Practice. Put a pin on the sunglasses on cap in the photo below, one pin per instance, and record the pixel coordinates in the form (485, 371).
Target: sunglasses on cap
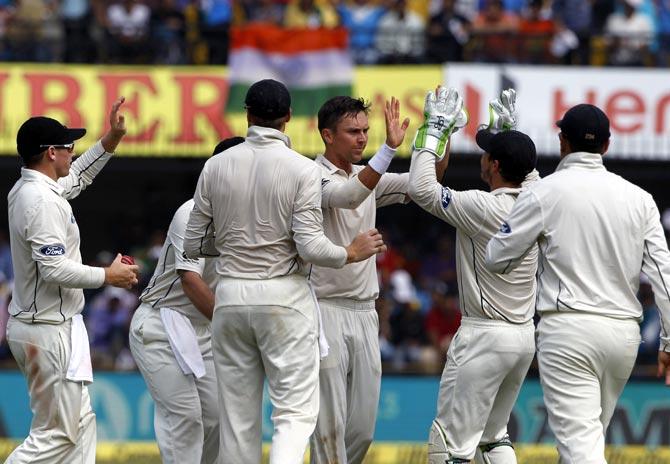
(67, 146)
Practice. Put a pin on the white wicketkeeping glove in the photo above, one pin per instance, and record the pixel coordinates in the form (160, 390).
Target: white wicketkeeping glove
(502, 112)
(443, 115)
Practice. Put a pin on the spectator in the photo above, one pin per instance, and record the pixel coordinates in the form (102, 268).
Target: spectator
(629, 34)
(407, 327)
(168, 25)
(493, 30)
(128, 29)
(400, 35)
(108, 322)
(310, 14)
(76, 17)
(215, 28)
(440, 265)
(575, 16)
(651, 324)
(443, 320)
(6, 270)
(536, 31)
(448, 31)
(35, 32)
(511, 6)
(266, 11)
(362, 20)
(662, 10)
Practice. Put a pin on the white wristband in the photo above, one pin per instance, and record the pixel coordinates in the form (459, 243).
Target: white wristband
(382, 159)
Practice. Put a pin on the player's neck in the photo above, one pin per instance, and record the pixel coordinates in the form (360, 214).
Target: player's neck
(338, 161)
(497, 182)
(45, 169)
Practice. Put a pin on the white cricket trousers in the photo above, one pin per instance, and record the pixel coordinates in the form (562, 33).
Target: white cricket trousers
(278, 343)
(186, 411)
(63, 426)
(349, 379)
(487, 362)
(585, 361)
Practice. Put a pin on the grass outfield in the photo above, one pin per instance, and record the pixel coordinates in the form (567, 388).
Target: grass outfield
(380, 453)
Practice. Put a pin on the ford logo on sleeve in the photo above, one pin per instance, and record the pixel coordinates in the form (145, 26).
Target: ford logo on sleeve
(505, 228)
(446, 197)
(53, 250)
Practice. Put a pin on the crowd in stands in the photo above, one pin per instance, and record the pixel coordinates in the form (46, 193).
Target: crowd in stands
(593, 32)
(418, 306)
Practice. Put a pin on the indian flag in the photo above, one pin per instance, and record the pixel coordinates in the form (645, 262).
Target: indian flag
(314, 64)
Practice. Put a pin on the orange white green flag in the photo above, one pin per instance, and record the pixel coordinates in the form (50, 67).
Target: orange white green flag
(314, 64)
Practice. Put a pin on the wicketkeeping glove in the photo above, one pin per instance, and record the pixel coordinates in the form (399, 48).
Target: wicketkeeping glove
(443, 115)
(502, 112)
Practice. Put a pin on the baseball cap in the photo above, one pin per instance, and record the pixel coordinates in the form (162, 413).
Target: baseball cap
(585, 125)
(268, 99)
(39, 132)
(514, 150)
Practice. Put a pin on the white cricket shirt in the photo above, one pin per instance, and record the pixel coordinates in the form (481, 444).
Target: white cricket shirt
(477, 215)
(258, 208)
(44, 240)
(596, 232)
(165, 289)
(359, 280)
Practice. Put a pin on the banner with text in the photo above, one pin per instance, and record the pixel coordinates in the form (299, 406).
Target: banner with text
(181, 111)
(124, 410)
(637, 102)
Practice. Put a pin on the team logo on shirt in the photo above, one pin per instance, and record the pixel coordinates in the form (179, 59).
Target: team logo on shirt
(53, 250)
(446, 197)
(505, 228)
(324, 182)
(72, 219)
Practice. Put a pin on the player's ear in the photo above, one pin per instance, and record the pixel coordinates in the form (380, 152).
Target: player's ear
(605, 147)
(327, 135)
(496, 165)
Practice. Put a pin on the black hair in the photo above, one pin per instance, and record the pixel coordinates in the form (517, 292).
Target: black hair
(511, 170)
(226, 144)
(336, 108)
(271, 123)
(589, 147)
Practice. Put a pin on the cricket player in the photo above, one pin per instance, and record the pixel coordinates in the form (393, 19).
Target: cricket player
(596, 233)
(258, 208)
(45, 331)
(491, 352)
(170, 338)
(350, 374)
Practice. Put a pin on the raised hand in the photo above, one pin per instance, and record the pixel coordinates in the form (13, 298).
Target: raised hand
(502, 112)
(395, 131)
(117, 121)
(443, 115)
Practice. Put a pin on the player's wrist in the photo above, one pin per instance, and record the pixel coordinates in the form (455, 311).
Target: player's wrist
(381, 161)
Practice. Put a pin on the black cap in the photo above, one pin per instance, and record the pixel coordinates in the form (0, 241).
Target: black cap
(39, 132)
(514, 150)
(585, 126)
(268, 99)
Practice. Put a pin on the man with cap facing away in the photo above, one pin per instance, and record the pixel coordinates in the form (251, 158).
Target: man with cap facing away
(45, 332)
(171, 341)
(258, 208)
(596, 233)
(489, 356)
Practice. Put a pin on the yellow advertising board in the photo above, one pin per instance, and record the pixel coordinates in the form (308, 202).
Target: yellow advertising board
(180, 111)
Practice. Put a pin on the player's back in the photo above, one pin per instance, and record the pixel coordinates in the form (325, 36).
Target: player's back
(254, 188)
(508, 297)
(593, 240)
